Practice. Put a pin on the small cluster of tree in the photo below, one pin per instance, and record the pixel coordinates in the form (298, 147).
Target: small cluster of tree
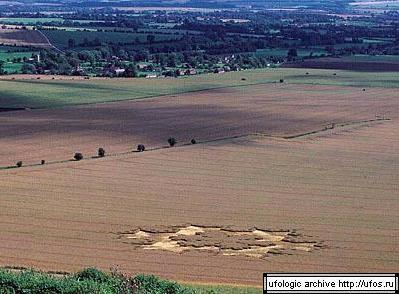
(140, 148)
(78, 156)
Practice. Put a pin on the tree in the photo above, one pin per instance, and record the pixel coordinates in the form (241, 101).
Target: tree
(292, 53)
(19, 164)
(193, 141)
(2, 72)
(150, 39)
(96, 42)
(140, 148)
(101, 152)
(172, 141)
(130, 71)
(171, 62)
(28, 68)
(71, 43)
(78, 156)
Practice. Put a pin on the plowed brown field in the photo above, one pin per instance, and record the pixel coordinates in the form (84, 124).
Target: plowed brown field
(21, 37)
(223, 211)
(55, 134)
(338, 189)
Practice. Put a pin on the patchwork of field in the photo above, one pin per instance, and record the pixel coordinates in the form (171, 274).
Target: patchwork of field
(321, 203)
(270, 109)
(21, 37)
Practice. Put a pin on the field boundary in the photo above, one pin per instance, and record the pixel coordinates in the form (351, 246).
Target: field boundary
(331, 126)
(335, 125)
(51, 45)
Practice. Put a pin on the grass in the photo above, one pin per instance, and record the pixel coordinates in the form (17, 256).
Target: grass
(57, 93)
(4, 55)
(13, 68)
(207, 289)
(92, 280)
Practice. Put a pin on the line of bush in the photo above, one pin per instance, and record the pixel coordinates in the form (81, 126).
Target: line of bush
(87, 281)
(101, 151)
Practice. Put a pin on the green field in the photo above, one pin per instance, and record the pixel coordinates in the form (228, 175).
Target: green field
(7, 55)
(378, 40)
(28, 20)
(60, 38)
(35, 93)
(90, 281)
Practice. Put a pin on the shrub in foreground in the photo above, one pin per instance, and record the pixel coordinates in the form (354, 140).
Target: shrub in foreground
(40, 283)
(19, 164)
(92, 274)
(155, 285)
(93, 281)
(193, 141)
(87, 281)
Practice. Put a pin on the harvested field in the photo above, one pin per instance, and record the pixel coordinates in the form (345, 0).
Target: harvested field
(44, 92)
(271, 109)
(21, 37)
(338, 188)
(243, 201)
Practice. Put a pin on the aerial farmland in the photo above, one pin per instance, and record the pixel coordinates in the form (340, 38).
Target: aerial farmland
(130, 162)
(269, 151)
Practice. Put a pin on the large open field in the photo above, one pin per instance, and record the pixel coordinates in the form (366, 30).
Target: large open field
(21, 37)
(56, 91)
(324, 203)
(271, 108)
(251, 197)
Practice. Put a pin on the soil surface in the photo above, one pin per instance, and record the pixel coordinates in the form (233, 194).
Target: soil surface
(273, 109)
(338, 188)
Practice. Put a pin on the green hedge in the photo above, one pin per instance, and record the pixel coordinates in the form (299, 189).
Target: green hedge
(93, 281)
(87, 281)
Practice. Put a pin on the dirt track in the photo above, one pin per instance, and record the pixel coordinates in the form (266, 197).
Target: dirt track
(272, 109)
(339, 188)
